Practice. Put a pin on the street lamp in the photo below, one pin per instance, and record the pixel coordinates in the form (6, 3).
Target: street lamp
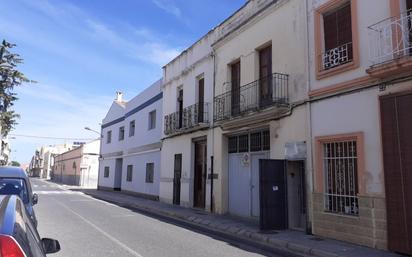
(95, 131)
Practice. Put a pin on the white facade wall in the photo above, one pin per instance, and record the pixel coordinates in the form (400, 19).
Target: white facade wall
(184, 72)
(283, 26)
(137, 150)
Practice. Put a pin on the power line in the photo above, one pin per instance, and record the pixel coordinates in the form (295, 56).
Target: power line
(46, 137)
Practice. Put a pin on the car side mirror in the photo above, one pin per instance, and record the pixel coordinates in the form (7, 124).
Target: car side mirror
(50, 245)
(35, 199)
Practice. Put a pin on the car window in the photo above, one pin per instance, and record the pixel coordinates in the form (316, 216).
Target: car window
(14, 186)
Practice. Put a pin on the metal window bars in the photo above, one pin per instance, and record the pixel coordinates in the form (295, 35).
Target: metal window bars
(391, 38)
(257, 95)
(341, 181)
(337, 56)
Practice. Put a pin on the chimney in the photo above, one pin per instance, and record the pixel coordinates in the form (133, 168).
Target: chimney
(119, 96)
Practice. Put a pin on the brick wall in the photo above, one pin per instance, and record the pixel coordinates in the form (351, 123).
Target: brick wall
(368, 229)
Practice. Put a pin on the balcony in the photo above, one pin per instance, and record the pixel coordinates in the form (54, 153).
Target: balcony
(391, 46)
(266, 93)
(193, 117)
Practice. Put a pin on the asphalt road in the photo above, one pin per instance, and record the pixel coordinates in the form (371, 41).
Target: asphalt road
(86, 227)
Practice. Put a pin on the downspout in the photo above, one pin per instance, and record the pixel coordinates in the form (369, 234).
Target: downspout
(309, 189)
(100, 156)
(212, 207)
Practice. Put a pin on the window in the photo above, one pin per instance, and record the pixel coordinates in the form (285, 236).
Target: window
(337, 34)
(152, 119)
(132, 126)
(149, 172)
(106, 171)
(121, 133)
(129, 174)
(254, 142)
(109, 137)
(233, 144)
(336, 40)
(340, 167)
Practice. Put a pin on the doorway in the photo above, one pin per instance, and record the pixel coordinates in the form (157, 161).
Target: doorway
(118, 174)
(176, 178)
(396, 127)
(200, 174)
(265, 76)
(296, 195)
(235, 88)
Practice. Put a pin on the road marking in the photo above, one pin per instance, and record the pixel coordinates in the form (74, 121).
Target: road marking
(56, 192)
(125, 247)
(123, 215)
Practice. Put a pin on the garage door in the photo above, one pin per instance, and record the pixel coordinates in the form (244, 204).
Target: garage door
(245, 151)
(396, 123)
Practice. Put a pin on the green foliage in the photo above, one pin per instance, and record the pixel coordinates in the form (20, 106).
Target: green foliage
(15, 163)
(10, 77)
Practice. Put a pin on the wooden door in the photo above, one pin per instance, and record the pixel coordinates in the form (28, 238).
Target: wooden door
(396, 125)
(201, 103)
(265, 75)
(235, 87)
(176, 178)
(200, 175)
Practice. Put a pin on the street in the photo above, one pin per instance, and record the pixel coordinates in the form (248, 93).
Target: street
(86, 226)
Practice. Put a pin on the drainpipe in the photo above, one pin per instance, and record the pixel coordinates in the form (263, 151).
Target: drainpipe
(212, 207)
(100, 157)
(309, 189)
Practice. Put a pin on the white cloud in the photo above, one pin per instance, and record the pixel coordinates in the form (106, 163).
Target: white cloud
(169, 7)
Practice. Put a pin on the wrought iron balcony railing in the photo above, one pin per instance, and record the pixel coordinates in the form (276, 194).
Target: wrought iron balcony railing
(192, 117)
(337, 56)
(257, 95)
(391, 38)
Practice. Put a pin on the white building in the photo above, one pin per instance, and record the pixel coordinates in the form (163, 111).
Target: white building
(187, 102)
(78, 166)
(130, 149)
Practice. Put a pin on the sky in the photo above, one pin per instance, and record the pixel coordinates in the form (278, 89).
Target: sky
(81, 52)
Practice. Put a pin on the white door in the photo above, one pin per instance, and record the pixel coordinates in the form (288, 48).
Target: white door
(239, 186)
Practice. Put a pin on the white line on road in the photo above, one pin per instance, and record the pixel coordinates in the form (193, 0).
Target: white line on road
(125, 247)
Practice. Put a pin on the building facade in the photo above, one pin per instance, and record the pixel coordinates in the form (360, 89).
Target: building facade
(187, 137)
(260, 124)
(78, 166)
(130, 150)
(361, 102)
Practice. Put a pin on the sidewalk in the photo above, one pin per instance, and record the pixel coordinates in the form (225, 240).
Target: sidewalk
(289, 241)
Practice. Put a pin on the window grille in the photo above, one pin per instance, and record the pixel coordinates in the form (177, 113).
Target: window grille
(266, 140)
(109, 137)
(132, 126)
(129, 174)
(256, 142)
(340, 167)
(149, 172)
(243, 143)
(232, 144)
(121, 133)
(106, 171)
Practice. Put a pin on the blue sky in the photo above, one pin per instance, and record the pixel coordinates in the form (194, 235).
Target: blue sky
(82, 51)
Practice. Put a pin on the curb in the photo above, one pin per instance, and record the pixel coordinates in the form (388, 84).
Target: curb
(271, 244)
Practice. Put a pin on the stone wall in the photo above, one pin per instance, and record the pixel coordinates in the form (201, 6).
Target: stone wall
(368, 229)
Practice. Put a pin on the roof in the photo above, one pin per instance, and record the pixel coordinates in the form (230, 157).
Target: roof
(12, 172)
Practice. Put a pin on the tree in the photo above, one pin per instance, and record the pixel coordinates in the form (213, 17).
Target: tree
(10, 78)
(15, 163)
